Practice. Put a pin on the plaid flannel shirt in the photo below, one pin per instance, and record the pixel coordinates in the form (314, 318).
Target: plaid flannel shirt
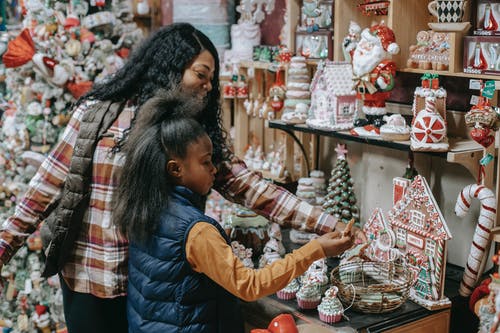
(98, 261)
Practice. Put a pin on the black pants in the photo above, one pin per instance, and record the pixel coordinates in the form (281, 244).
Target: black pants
(87, 313)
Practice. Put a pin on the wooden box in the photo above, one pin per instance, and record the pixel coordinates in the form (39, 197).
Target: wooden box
(482, 55)
(439, 51)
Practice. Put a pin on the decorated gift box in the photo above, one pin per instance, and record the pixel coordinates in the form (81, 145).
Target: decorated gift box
(488, 18)
(481, 55)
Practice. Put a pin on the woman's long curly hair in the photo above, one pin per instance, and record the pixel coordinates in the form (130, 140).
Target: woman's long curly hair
(163, 131)
(158, 64)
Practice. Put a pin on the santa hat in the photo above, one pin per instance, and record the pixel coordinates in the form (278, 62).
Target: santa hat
(386, 37)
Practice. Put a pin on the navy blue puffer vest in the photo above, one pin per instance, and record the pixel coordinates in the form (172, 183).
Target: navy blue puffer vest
(164, 294)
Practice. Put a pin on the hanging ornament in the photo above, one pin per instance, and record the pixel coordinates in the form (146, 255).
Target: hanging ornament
(483, 120)
(19, 51)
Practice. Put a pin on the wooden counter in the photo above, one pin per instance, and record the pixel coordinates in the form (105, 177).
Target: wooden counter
(409, 318)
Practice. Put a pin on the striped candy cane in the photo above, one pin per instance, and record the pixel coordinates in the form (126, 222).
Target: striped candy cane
(481, 240)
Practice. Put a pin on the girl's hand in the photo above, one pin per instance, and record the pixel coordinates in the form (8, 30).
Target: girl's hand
(334, 243)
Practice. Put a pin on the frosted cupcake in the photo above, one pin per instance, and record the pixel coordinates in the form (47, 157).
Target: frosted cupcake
(289, 291)
(308, 296)
(330, 310)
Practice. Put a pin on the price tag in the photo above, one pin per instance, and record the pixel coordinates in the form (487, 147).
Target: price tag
(489, 89)
(486, 159)
(474, 100)
(475, 84)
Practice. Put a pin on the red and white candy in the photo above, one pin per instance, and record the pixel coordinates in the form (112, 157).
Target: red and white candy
(481, 240)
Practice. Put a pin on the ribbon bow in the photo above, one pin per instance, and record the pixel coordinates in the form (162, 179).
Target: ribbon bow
(364, 83)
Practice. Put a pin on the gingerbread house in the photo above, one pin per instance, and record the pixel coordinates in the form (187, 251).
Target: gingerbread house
(333, 99)
(421, 236)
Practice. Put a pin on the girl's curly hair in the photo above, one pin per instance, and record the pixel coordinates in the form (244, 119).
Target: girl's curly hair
(158, 64)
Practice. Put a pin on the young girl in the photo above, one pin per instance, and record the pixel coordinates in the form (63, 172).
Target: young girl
(183, 275)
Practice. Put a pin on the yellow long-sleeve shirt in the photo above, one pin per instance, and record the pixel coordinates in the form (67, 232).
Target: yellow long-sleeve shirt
(208, 253)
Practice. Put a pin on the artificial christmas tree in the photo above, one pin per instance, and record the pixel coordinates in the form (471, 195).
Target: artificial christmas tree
(61, 49)
(340, 200)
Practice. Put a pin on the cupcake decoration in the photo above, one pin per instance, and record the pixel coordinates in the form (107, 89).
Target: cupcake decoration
(308, 296)
(289, 291)
(330, 310)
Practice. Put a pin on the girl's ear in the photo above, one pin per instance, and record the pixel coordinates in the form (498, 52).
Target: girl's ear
(174, 168)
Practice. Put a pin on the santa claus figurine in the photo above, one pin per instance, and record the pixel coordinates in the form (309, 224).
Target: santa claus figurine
(373, 71)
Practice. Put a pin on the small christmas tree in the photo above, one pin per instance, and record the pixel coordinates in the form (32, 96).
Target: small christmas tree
(340, 200)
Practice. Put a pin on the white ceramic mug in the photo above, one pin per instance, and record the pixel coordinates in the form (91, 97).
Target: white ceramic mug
(448, 11)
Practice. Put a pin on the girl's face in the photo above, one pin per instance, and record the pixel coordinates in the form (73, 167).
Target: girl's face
(198, 75)
(196, 171)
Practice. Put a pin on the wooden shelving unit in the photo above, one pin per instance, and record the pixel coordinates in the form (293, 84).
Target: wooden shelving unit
(465, 152)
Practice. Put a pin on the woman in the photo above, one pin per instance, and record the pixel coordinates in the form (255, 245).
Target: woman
(80, 175)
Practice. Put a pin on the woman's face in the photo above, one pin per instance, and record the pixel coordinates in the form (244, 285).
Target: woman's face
(198, 75)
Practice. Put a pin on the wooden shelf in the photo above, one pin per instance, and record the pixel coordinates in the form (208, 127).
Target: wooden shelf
(465, 152)
(456, 74)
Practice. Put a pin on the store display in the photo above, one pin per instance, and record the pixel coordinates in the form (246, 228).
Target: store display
(482, 55)
(333, 100)
(481, 241)
(341, 199)
(488, 14)
(374, 71)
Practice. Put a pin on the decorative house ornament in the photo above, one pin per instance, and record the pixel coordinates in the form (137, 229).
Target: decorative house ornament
(382, 240)
(333, 100)
(421, 237)
(481, 241)
(428, 130)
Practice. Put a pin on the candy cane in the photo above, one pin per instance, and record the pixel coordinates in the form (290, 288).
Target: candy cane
(481, 240)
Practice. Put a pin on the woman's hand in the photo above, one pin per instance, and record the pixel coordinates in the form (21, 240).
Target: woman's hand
(359, 235)
(335, 243)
